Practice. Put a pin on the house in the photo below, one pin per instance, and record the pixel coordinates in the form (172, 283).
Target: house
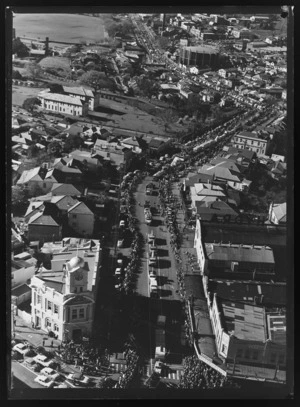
(81, 219)
(33, 208)
(249, 336)
(233, 260)
(63, 103)
(212, 209)
(206, 193)
(63, 298)
(66, 189)
(250, 141)
(193, 179)
(112, 152)
(35, 180)
(278, 170)
(44, 227)
(136, 144)
(227, 176)
(277, 213)
(63, 203)
(86, 160)
(158, 145)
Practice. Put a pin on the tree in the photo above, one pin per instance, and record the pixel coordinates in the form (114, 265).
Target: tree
(72, 143)
(33, 71)
(33, 151)
(97, 80)
(16, 75)
(19, 195)
(29, 103)
(54, 148)
(19, 48)
(163, 42)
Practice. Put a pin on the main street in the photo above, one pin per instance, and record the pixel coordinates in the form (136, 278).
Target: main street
(166, 265)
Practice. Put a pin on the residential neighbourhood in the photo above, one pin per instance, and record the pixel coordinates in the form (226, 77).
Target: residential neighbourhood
(150, 205)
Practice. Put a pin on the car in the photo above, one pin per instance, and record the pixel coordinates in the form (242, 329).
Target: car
(151, 237)
(120, 242)
(61, 386)
(44, 360)
(118, 271)
(158, 366)
(152, 259)
(122, 224)
(79, 378)
(44, 381)
(21, 348)
(120, 259)
(53, 374)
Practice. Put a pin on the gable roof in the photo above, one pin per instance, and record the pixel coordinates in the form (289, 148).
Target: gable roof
(208, 190)
(239, 253)
(80, 207)
(280, 211)
(78, 90)
(207, 209)
(40, 219)
(221, 172)
(33, 206)
(57, 97)
(30, 175)
(67, 189)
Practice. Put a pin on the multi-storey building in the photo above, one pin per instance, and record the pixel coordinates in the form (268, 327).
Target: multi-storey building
(250, 141)
(56, 102)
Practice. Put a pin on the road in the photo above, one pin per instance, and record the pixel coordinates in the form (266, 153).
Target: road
(166, 266)
(25, 375)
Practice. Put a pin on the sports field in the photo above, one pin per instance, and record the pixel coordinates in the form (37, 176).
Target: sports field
(59, 27)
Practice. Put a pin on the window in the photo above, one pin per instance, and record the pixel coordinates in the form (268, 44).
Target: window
(39, 299)
(74, 216)
(81, 313)
(55, 309)
(47, 323)
(257, 150)
(49, 306)
(56, 329)
(74, 313)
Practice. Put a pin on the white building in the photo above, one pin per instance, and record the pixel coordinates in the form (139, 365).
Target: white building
(250, 141)
(58, 103)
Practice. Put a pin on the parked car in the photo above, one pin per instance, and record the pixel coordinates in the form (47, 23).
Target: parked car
(53, 374)
(120, 259)
(118, 271)
(44, 381)
(152, 259)
(44, 360)
(79, 378)
(122, 223)
(21, 348)
(120, 242)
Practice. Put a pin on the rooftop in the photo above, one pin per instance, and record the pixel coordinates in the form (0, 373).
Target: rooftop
(244, 321)
(239, 253)
(57, 97)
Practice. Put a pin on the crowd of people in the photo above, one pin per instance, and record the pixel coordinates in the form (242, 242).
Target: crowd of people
(127, 189)
(198, 375)
(128, 377)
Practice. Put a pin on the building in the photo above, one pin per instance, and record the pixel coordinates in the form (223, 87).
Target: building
(214, 210)
(277, 213)
(62, 299)
(233, 260)
(34, 181)
(72, 105)
(199, 56)
(43, 227)
(81, 219)
(250, 141)
(247, 335)
(65, 189)
(113, 152)
(86, 95)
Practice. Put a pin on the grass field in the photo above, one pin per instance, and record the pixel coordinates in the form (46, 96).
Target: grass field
(20, 93)
(59, 64)
(59, 27)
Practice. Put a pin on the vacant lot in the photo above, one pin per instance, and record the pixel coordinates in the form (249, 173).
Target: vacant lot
(59, 27)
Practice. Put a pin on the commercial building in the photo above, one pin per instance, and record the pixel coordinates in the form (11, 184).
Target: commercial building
(250, 141)
(62, 299)
(227, 260)
(199, 56)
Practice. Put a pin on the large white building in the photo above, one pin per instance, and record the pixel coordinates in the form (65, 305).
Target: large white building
(62, 299)
(250, 141)
(58, 103)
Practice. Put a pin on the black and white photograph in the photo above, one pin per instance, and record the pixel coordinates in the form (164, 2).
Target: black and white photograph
(149, 202)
